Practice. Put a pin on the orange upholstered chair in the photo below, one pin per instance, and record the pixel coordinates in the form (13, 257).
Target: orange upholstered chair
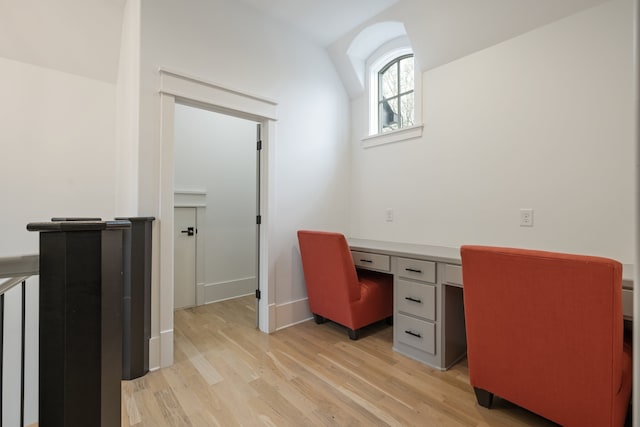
(545, 331)
(336, 290)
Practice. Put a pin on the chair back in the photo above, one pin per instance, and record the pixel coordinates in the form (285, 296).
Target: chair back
(545, 330)
(329, 272)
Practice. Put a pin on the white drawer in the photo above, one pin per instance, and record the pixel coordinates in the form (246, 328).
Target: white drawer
(417, 269)
(627, 303)
(418, 299)
(453, 274)
(372, 261)
(416, 333)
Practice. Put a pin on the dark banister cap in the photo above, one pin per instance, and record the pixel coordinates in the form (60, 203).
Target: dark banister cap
(56, 219)
(136, 218)
(78, 225)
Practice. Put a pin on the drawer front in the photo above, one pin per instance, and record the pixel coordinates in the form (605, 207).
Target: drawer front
(372, 261)
(417, 269)
(416, 333)
(418, 299)
(453, 274)
(627, 303)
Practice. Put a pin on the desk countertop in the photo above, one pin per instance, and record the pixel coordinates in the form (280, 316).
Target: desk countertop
(433, 253)
(441, 254)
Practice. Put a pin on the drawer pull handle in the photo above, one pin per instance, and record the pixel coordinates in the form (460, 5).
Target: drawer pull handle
(413, 270)
(413, 334)
(366, 260)
(419, 301)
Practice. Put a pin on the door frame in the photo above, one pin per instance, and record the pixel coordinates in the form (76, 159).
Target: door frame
(194, 91)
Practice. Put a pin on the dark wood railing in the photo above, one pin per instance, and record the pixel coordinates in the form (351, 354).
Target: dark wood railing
(89, 313)
(14, 272)
(80, 322)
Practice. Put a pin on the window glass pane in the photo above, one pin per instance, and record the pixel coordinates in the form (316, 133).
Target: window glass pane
(389, 118)
(406, 74)
(395, 101)
(389, 82)
(406, 110)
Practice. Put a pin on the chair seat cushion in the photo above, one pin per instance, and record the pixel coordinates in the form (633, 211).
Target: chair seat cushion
(376, 299)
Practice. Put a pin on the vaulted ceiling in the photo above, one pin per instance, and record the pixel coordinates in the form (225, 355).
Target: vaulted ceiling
(78, 37)
(83, 37)
(323, 20)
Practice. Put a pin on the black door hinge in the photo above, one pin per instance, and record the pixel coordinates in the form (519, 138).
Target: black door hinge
(259, 145)
(259, 219)
(258, 294)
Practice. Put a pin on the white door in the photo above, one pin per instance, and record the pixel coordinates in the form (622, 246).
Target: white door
(184, 255)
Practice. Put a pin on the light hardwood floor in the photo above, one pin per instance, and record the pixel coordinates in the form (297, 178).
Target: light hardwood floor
(227, 373)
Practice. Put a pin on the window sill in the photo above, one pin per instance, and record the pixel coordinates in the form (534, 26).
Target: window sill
(403, 134)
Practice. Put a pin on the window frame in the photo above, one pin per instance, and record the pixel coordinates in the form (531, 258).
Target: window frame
(384, 55)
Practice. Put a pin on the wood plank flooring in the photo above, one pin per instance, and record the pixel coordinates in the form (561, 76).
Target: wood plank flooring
(227, 373)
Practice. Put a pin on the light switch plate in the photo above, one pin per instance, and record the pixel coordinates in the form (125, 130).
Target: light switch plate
(388, 215)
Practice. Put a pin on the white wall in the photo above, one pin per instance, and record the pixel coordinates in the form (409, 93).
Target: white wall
(57, 135)
(217, 153)
(128, 112)
(56, 138)
(541, 121)
(225, 42)
(66, 35)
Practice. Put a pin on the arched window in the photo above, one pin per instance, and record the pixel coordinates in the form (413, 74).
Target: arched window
(383, 62)
(395, 100)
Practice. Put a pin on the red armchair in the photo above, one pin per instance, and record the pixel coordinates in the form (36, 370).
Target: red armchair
(336, 291)
(545, 331)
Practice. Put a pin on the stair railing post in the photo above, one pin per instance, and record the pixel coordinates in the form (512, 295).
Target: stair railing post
(80, 363)
(136, 308)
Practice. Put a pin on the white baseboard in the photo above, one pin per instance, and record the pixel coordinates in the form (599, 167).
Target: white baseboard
(291, 313)
(166, 348)
(161, 350)
(214, 292)
(272, 318)
(154, 353)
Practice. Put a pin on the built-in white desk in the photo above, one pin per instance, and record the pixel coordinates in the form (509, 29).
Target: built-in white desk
(428, 301)
(428, 309)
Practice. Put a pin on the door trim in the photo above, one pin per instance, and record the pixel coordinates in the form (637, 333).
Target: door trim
(189, 199)
(190, 90)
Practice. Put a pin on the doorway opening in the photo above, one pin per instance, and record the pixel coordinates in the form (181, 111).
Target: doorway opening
(216, 206)
(179, 88)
